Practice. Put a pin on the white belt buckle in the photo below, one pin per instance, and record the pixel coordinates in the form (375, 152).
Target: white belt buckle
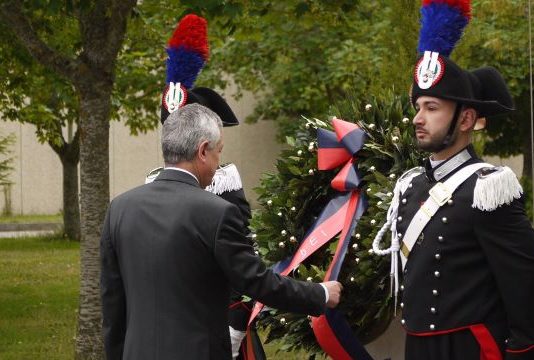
(440, 193)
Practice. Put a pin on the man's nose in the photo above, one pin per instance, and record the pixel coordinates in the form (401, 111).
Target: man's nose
(418, 118)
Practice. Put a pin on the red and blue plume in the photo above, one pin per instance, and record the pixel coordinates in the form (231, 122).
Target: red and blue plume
(442, 24)
(188, 50)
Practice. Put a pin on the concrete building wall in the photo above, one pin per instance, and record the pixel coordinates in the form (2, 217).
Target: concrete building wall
(37, 175)
(36, 179)
(252, 147)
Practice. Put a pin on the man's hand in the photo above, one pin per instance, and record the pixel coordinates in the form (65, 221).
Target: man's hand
(334, 293)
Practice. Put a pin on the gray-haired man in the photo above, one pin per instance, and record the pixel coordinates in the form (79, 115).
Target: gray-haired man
(171, 251)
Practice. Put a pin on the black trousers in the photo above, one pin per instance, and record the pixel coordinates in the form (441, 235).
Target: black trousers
(459, 345)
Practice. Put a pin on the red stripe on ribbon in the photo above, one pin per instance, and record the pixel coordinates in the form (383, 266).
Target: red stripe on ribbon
(250, 355)
(327, 339)
(331, 158)
(340, 181)
(317, 238)
(343, 128)
(324, 334)
(349, 216)
(349, 143)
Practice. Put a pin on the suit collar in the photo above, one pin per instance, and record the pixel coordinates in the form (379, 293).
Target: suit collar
(174, 175)
(182, 170)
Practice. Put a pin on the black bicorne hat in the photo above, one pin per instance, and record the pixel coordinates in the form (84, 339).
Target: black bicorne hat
(208, 98)
(436, 75)
(483, 89)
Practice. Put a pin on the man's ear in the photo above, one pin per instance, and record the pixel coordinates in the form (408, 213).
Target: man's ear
(203, 150)
(469, 119)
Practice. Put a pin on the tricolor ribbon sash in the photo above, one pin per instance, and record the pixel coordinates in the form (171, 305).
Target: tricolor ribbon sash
(341, 214)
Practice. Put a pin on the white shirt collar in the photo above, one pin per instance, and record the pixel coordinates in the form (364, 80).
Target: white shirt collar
(435, 163)
(182, 170)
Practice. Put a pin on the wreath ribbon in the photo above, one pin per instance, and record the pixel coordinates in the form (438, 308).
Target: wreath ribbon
(341, 214)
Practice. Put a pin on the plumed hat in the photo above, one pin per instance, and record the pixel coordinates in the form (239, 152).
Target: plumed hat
(188, 53)
(435, 74)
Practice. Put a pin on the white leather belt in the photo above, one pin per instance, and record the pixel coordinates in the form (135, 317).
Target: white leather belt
(439, 195)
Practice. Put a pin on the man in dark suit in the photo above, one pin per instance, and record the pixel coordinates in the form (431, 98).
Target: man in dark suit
(171, 251)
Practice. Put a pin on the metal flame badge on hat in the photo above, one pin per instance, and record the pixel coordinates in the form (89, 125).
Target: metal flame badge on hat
(429, 70)
(174, 97)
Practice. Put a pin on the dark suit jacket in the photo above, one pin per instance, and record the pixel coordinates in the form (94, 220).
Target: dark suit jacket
(170, 253)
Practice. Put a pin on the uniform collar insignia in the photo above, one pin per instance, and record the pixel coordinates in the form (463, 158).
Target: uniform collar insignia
(449, 165)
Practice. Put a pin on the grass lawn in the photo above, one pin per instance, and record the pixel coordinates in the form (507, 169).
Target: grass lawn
(39, 280)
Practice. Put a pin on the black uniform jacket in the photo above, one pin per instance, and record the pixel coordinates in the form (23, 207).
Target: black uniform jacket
(237, 197)
(170, 253)
(469, 266)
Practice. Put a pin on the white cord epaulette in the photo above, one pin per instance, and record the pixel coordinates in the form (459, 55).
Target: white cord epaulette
(391, 222)
(226, 179)
(495, 186)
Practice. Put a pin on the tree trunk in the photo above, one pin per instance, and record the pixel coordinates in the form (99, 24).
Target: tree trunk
(94, 170)
(71, 195)
(69, 154)
(102, 30)
(71, 203)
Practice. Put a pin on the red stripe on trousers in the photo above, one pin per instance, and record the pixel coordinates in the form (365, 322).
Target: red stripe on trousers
(488, 347)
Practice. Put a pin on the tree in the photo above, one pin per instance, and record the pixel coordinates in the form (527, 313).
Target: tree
(498, 36)
(5, 168)
(90, 68)
(82, 46)
(328, 50)
(5, 162)
(32, 94)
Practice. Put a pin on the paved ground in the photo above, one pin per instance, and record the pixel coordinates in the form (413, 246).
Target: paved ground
(12, 234)
(33, 229)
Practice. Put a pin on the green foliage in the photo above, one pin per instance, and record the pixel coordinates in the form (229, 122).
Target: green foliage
(293, 197)
(303, 65)
(5, 160)
(30, 93)
(498, 36)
